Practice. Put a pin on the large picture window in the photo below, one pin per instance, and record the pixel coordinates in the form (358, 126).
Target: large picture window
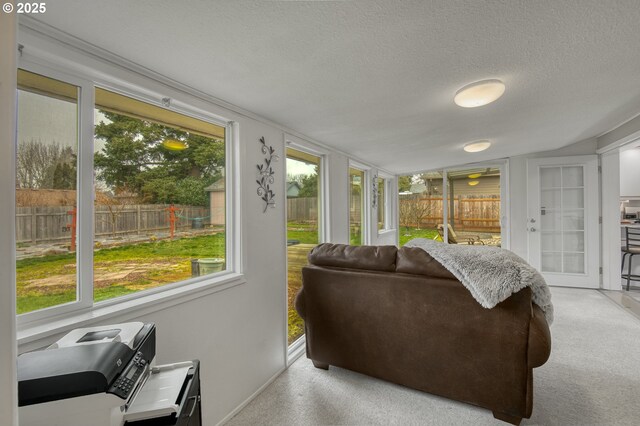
(46, 164)
(459, 206)
(159, 196)
(154, 212)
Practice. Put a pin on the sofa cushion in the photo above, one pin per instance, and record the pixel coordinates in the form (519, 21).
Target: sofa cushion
(414, 260)
(372, 258)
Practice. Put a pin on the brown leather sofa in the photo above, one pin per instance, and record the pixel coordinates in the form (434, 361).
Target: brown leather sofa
(399, 315)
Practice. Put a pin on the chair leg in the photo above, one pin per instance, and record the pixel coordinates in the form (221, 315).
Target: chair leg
(624, 256)
(629, 271)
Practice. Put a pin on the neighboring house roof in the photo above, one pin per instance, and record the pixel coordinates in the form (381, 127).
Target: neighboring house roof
(418, 188)
(293, 189)
(217, 186)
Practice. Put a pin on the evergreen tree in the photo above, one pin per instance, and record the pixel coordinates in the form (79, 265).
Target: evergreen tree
(136, 159)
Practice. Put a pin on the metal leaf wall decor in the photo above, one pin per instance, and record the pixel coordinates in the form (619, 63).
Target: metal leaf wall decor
(374, 191)
(266, 176)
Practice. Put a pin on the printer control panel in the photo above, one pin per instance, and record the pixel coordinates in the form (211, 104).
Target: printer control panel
(125, 384)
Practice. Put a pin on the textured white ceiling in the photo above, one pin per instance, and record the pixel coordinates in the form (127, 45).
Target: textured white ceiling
(376, 78)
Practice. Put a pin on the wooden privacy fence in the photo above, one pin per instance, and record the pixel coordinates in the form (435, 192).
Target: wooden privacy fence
(302, 209)
(470, 212)
(305, 209)
(50, 224)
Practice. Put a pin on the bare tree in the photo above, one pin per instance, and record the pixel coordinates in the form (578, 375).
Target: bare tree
(42, 165)
(115, 205)
(413, 209)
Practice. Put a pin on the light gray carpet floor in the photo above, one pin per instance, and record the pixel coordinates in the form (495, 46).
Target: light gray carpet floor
(591, 378)
(633, 292)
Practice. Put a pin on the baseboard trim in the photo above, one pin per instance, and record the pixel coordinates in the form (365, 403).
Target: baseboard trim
(296, 350)
(251, 397)
(623, 301)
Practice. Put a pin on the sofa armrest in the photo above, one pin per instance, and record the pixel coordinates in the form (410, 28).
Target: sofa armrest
(299, 303)
(539, 339)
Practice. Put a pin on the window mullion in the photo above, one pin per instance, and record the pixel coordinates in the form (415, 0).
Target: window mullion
(85, 197)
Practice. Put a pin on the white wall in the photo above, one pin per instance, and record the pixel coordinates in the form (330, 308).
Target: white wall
(8, 394)
(518, 190)
(610, 200)
(630, 173)
(239, 333)
(338, 193)
(622, 134)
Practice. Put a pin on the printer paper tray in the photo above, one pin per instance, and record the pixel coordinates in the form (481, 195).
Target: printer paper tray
(159, 394)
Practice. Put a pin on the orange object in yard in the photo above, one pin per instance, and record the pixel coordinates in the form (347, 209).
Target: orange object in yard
(172, 219)
(74, 215)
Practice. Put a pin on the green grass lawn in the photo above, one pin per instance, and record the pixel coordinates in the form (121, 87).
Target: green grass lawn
(407, 234)
(50, 280)
(302, 232)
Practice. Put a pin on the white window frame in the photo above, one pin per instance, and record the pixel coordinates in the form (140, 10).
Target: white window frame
(306, 147)
(296, 348)
(84, 251)
(85, 196)
(366, 200)
(388, 211)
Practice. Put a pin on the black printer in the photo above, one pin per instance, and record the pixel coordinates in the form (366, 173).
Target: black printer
(88, 361)
(105, 376)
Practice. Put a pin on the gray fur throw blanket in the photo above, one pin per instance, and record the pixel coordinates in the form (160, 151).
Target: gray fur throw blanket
(491, 274)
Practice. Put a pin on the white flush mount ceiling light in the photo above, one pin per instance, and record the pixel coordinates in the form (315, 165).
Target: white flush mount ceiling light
(479, 93)
(477, 146)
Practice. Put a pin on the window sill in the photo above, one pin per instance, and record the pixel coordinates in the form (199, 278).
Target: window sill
(382, 232)
(32, 335)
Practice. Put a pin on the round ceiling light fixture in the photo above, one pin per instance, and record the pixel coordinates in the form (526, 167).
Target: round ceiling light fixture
(479, 93)
(477, 146)
(174, 145)
(474, 176)
(473, 182)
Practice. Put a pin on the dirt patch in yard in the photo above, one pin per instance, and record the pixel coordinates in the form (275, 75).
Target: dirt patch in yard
(135, 275)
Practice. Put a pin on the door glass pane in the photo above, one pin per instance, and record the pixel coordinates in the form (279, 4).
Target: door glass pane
(550, 198)
(550, 177)
(551, 262)
(572, 177)
(573, 198)
(573, 241)
(303, 226)
(562, 239)
(573, 263)
(474, 206)
(573, 220)
(159, 197)
(550, 220)
(420, 206)
(550, 241)
(356, 206)
(46, 181)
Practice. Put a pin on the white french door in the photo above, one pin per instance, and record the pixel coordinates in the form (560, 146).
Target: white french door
(563, 220)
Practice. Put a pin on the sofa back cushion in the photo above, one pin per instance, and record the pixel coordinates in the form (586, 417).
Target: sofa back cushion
(372, 258)
(414, 260)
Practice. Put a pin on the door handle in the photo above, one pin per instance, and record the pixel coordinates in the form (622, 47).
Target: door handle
(532, 229)
(196, 399)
